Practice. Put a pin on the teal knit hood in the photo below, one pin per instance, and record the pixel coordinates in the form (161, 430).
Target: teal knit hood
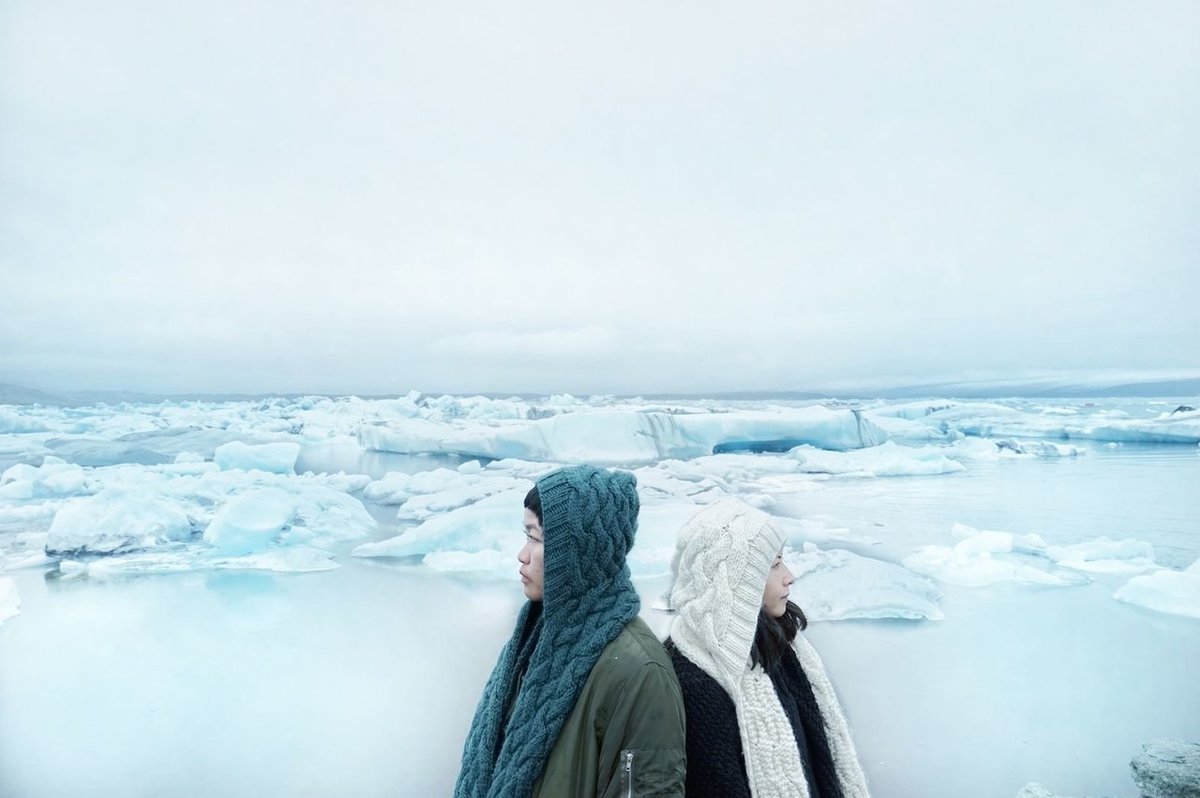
(589, 519)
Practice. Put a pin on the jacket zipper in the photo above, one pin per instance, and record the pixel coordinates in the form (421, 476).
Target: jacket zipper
(629, 773)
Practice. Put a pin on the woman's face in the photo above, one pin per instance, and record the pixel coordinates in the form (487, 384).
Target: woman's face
(531, 557)
(779, 584)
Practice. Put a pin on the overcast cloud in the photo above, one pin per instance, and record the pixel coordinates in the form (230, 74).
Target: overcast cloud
(622, 197)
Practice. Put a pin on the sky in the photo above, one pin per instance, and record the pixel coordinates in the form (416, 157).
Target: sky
(372, 197)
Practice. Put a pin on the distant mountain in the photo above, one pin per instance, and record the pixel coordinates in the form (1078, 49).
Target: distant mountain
(994, 389)
(20, 395)
(1045, 388)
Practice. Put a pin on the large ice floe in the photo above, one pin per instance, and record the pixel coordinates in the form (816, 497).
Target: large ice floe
(986, 557)
(837, 584)
(178, 516)
(885, 460)
(630, 437)
(921, 420)
(1174, 592)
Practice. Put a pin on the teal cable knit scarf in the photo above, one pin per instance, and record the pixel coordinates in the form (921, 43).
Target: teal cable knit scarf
(589, 517)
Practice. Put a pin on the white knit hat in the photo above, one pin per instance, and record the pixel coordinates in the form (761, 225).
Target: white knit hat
(722, 559)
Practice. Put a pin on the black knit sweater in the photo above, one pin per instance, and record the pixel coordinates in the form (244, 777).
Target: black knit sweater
(715, 762)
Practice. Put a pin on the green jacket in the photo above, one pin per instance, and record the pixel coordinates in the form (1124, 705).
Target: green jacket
(624, 737)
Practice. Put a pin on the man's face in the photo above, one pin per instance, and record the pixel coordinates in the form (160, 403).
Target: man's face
(532, 571)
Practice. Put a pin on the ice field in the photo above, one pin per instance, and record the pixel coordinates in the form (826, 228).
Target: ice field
(304, 596)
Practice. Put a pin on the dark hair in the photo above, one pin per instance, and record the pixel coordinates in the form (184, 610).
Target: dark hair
(775, 635)
(533, 501)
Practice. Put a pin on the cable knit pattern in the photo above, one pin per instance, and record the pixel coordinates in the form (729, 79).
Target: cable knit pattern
(721, 563)
(773, 765)
(589, 517)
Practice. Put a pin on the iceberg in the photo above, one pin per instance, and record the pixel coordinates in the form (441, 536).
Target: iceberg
(985, 557)
(990, 420)
(885, 460)
(250, 522)
(1103, 555)
(117, 519)
(469, 490)
(392, 488)
(835, 585)
(629, 437)
(490, 523)
(54, 477)
(10, 600)
(278, 458)
(23, 550)
(440, 490)
(1174, 592)
(143, 508)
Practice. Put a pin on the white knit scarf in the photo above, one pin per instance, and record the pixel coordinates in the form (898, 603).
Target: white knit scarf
(721, 564)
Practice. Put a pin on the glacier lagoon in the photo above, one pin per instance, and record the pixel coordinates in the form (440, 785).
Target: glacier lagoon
(304, 596)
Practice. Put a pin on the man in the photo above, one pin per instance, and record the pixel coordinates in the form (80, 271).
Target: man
(583, 701)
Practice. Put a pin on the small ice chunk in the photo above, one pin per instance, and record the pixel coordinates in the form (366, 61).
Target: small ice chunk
(251, 521)
(189, 457)
(10, 600)
(1035, 790)
(838, 584)
(117, 519)
(1030, 543)
(1047, 449)
(1174, 592)
(53, 478)
(391, 489)
(278, 458)
(1103, 555)
(470, 467)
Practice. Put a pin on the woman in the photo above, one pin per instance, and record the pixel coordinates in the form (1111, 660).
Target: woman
(762, 717)
(583, 701)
